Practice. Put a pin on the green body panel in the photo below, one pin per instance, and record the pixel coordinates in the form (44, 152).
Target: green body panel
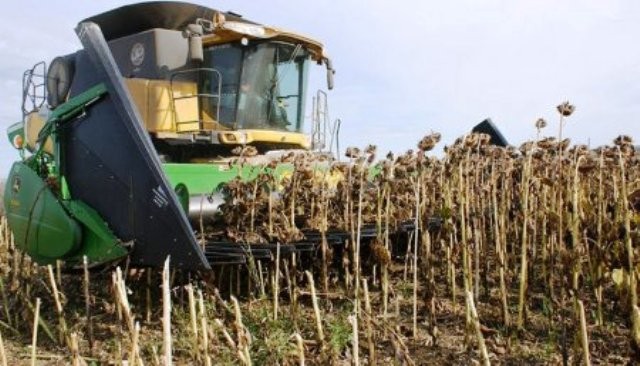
(207, 178)
(47, 228)
(77, 105)
(47, 225)
(99, 244)
(40, 224)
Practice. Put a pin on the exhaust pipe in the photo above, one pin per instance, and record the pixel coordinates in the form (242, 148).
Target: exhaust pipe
(204, 205)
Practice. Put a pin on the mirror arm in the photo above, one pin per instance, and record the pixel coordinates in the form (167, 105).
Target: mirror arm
(330, 72)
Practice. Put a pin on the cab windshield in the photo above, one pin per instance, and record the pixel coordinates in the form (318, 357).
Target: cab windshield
(262, 86)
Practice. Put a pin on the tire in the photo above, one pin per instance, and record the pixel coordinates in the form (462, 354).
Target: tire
(59, 79)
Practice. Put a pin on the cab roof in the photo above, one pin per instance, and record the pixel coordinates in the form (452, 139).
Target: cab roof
(175, 15)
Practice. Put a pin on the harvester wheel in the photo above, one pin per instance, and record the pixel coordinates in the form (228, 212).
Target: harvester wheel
(59, 78)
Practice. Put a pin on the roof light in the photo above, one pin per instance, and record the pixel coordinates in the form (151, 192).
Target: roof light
(230, 137)
(244, 28)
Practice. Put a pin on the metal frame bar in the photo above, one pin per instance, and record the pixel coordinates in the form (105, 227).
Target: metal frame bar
(34, 93)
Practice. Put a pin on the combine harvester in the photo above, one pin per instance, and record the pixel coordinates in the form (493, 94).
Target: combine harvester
(126, 143)
(126, 140)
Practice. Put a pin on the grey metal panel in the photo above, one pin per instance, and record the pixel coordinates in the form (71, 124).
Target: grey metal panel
(152, 54)
(172, 50)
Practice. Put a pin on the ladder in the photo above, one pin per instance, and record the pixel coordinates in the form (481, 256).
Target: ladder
(324, 132)
(199, 97)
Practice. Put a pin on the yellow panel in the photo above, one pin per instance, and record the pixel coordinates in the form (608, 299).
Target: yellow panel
(154, 101)
(139, 92)
(186, 114)
(33, 124)
(265, 136)
(160, 114)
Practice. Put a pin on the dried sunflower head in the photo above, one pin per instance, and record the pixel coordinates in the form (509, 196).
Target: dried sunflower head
(390, 155)
(541, 123)
(381, 254)
(246, 151)
(566, 109)
(370, 149)
(526, 147)
(484, 139)
(237, 150)
(634, 200)
(547, 143)
(623, 140)
(538, 154)
(429, 142)
(587, 165)
(497, 152)
(579, 150)
(609, 152)
(471, 140)
(250, 151)
(288, 158)
(272, 164)
(627, 150)
(352, 152)
(564, 144)
(513, 153)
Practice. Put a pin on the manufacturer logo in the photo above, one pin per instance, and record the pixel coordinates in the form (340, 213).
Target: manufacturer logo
(16, 184)
(159, 197)
(137, 54)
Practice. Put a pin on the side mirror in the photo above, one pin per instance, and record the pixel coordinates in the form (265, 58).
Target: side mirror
(330, 73)
(194, 33)
(196, 52)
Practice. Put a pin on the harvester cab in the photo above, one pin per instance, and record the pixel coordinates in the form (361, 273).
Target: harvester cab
(125, 140)
(216, 83)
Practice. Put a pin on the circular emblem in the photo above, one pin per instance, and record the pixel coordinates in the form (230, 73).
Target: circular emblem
(18, 141)
(137, 54)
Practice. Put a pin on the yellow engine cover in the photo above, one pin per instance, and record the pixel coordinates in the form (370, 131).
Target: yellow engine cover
(33, 123)
(168, 108)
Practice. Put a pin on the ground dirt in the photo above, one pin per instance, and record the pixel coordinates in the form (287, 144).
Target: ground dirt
(440, 342)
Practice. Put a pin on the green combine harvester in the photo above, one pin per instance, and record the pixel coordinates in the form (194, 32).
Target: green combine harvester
(125, 142)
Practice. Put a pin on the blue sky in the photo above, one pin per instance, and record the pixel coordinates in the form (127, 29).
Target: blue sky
(406, 68)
